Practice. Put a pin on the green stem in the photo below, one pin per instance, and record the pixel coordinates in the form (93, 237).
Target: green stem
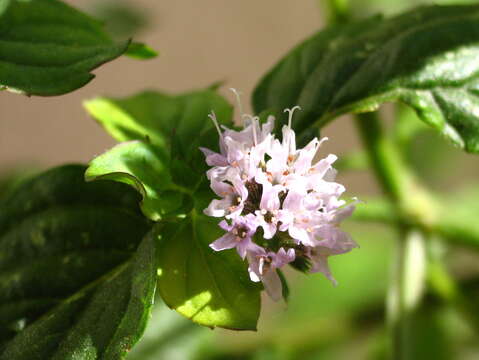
(445, 287)
(384, 157)
(338, 11)
(408, 272)
(415, 206)
(412, 203)
(405, 290)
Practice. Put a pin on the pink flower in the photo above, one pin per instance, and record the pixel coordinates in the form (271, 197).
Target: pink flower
(263, 265)
(288, 193)
(238, 236)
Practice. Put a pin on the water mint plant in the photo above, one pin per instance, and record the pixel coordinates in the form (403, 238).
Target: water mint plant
(193, 213)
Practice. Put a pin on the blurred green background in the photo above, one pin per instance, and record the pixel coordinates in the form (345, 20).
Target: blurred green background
(320, 321)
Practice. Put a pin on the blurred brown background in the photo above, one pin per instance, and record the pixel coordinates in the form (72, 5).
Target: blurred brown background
(200, 42)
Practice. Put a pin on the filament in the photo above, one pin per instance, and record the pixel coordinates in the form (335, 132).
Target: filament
(290, 114)
(238, 101)
(253, 124)
(212, 116)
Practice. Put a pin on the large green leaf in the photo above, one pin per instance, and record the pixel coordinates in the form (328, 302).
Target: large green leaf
(74, 283)
(49, 48)
(210, 288)
(425, 58)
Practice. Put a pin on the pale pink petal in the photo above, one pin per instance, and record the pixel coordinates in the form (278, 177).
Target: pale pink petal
(320, 264)
(220, 188)
(272, 284)
(227, 241)
(300, 234)
(217, 208)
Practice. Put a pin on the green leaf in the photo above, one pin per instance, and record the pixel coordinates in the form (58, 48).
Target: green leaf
(62, 187)
(425, 58)
(172, 335)
(14, 177)
(210, 288)
(122, 18)
(145, 167)
(159, 117)
(49, 48)
(140, 51)
(167, 159)
(74, 283)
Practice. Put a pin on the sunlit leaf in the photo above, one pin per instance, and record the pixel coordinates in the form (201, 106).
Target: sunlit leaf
(144, 167)
(210, 288)
(140, 51)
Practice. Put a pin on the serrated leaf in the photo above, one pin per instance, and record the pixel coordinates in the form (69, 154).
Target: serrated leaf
(424, 58)
(210, 288)
(145, 167)
(49, 48)
(73, 284)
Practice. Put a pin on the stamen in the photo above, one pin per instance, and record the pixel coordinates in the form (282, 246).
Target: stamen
(238, 101)
(253, 124)
(290, 114)
(316, 157)
(212, 116)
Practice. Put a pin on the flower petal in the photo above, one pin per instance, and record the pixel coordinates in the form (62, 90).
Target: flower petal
(227, 241)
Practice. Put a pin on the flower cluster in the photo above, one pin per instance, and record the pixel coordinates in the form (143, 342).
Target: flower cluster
(279, 204)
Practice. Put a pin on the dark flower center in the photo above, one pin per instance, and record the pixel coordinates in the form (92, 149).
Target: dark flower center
(255, 191)
(242, 231)
(268, 217)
